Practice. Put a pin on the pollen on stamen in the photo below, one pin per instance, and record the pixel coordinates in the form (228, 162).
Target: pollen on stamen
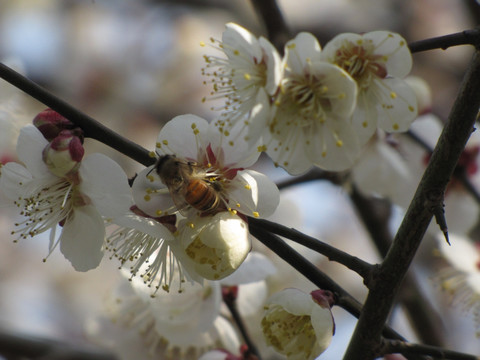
(150, 178)
(364, 124)
(159, 212)
(230, 143)
(165, 142)
(395, 126)
(341, 96)
(247, 76)
(191, 225)
(202, 43)
(393, 95)
(339, 143)
(147, 198)
(411, 108)
(232, 211)
(324, 153)
(248, 187)
(237, 205)
(256, 214)
(236, 52)
(196, 131)
(291, 46)
(262, 148)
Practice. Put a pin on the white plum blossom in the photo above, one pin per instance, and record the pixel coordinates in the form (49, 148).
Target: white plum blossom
(168, 326)
(378, 61)
(383, 171)
(299, 325)
(309, 123)
(217, 245)
(78, 202)
(461, 279)
(220, 160)
(251, 65)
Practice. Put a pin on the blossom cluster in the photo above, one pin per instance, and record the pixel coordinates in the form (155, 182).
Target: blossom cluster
(182, 222)
(314, 107)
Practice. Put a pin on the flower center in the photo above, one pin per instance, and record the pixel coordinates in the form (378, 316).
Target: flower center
(360, 62)
(288, 333)
(306, 95)
(44, 208)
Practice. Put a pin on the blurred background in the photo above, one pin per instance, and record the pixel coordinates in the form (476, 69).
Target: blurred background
(134, 65)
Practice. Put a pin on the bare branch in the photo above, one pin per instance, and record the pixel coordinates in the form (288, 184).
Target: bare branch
(366, 338)
(401, 347)
(352, 262)
(466, 37)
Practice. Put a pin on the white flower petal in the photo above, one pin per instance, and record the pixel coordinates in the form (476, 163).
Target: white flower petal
(30, 146)
(251, 298)
(151, 195)
(394, 48)
(294, 301)
(240, 41)
(82, 238)
(462, 254)
(254, 194)
(183, 136)
(256, 267)
(274, 66)
(300, 51)
(14, 180)
(397, 105)
(333, 146)
(288, 150)
(322, 322)
(341, 89)
(106, 184)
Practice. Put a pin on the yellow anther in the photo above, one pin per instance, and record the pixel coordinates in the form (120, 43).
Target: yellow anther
(247, 76)
(256, 214)
(393, 95)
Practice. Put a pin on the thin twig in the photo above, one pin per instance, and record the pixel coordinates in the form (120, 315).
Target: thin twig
(352, 262)
(231, 301)
(401, 347)
(466, 37)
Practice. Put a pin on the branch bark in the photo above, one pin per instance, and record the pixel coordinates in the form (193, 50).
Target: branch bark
(366, 340)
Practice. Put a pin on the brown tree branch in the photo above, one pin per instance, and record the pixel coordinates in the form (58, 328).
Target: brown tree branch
(366, 340)
(404, 348)
(361, 267)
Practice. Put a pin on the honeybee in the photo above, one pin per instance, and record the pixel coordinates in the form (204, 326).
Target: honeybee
(189, 185)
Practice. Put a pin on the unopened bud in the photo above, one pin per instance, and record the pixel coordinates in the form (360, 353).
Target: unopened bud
(64, 154)
(51, 124)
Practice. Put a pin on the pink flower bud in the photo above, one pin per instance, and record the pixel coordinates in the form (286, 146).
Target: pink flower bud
(50, 123)
(64, 153)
